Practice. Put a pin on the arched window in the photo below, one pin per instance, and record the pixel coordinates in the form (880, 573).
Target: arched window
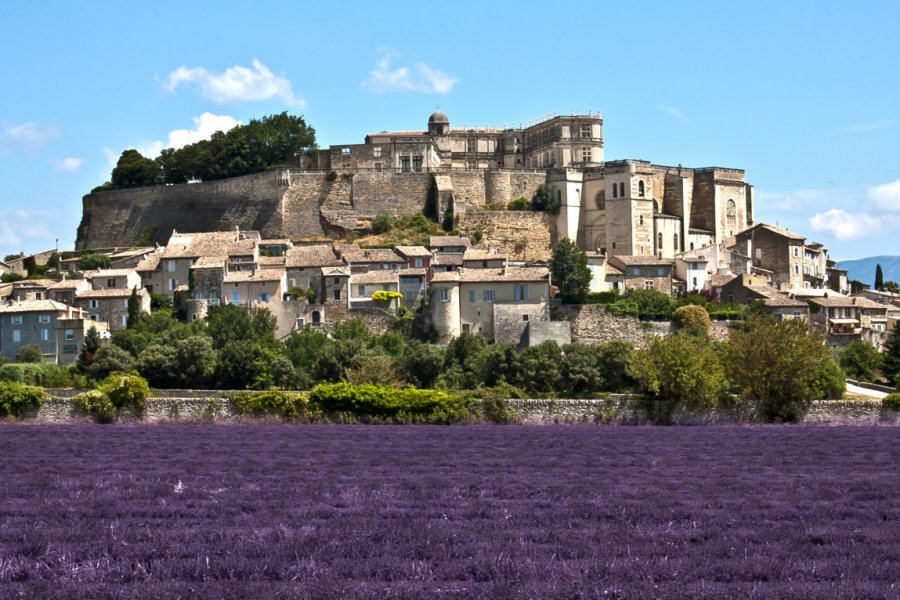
(601, 200)
(641, 189)
(731, 213)
(692, 245)
(615, 191)
(316, 317)
(675, 246)
(622, 190)
(659, 242)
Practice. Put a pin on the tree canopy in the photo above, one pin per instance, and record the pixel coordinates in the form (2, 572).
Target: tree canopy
(251, 148)
(569, 271)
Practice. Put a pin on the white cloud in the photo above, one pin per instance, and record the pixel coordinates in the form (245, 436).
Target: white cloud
(20, 225)
(886, 196)
(807, 198)
(69, 164)
(674, 112)
(204, 126)
(844, 225)
(236, 84)
(29, 134)
(423, 78)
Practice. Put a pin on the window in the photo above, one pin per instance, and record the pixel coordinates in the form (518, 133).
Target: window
(559, 197)
(641, 219)
(796, 269)
(345, 151)
(173, 283)
(418, 263)
(94, 303)
(615, 191)
(17, 336)
(675, 242)
(490, 295)
(316, 317)
(796, 252)
(659, 241)
(471, 295)
(43, 318)
(586, 131)
(648, 284)
(443, 294)
(376, 152)
(758, 253)
(404, 164)
(641, 189)
(521, 292)
(614, 245)
(301, 323)
(471, 145)
(695, 283)
(622, 189)
(94, 317)
(124, 320)
(465, 328)
(171, 266)
(110, 283)
(337, 281)
(70, 335)
(16, 319)
(263, 297)
(692, 245)
(524, 317)
(417, 163)
(337, 294)
(661, 272)
(731, 213)
(601, 200)
(361, 290)
(585, 154)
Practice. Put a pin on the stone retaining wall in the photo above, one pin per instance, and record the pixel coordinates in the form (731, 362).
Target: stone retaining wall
(619, 409)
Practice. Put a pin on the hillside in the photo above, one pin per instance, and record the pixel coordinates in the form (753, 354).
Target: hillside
(864, 268)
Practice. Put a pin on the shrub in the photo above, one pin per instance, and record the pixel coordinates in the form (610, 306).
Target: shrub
(652, 304)
(15, 397)
(30, 353)
(97, 404)
(390, 403)
(10, 277)
(45, 374)
(623, 308)
(693, 319)
(831, 383)
(124, 389)
(519, 204)
(290, 405)
(860, 361)
(891, 402)
(385, 295)
(601, 297)
(383, 222)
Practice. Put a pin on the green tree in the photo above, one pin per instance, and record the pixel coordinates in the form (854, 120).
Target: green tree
(652, 304)
(613, 361)
(569, 271)
(777, 364)
(229, 323)
(679, 371)
(543, 200)
(541, 368)
(30, 353)
(421, 363)
(304, 347)
(495, 364)
(239, 364)
(109, 359)
(860, 361)
(134, 170)
(10, 277)
(90, 261)
(158, 365)
(196, 362)
(879, 277)
(580, 369)
(890, 366)
(134, 308)
(831, 383)
(892, 287)
(89, 348)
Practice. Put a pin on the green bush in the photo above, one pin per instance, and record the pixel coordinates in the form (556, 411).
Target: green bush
(383, 222)
(290, 405)
(30, 353)
(602, 297)
(97, 404)
(45, 374)
(124, 389)
(15, 397)
(409, 404)
(891, 402)
(726, 312)
(692, 319)
(623, 308)
(831, 383)
(519, 204)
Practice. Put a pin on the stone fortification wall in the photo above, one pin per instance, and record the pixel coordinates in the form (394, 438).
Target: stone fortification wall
(591, 324)
(521, 235)
(118, 218)
(312, 204)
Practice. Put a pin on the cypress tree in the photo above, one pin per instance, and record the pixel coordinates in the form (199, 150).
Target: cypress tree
(879, 278)
(890, 365)
(91, 344)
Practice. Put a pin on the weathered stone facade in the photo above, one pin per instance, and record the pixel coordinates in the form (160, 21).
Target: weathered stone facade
(591, 324)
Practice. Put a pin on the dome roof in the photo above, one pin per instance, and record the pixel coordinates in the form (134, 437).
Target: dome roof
(438, 117)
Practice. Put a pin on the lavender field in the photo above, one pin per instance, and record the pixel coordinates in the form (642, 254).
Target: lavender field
(196, 511)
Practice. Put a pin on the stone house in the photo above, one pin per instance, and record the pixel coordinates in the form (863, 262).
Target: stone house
(837, 279)
(645, 273)
(110, 279)
(361, 260)
(417, 257)
(446, 262)
(746, 289)
(304, 266)
(846, 319)
(254, 288)
(783, 256)
(32, 322)
(478, 258)
(130, 258)
(476, 300)
(693, 271)
(111, 306)
(31, 289)
(67, 290)
(363, 285)
(336, 282)
(453, 244)
(183, 249)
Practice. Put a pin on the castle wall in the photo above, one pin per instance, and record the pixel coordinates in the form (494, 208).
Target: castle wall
(503, 186)
(118, 218)
(521, 235)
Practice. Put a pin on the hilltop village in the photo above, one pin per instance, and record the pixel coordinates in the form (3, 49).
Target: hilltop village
(293, 241)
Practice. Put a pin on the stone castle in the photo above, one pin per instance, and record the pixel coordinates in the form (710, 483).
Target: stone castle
(623, 207)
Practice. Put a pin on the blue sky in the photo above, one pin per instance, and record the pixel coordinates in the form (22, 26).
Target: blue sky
(805, 96)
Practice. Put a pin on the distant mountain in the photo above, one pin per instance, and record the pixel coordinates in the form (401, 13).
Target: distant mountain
(864, 268)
